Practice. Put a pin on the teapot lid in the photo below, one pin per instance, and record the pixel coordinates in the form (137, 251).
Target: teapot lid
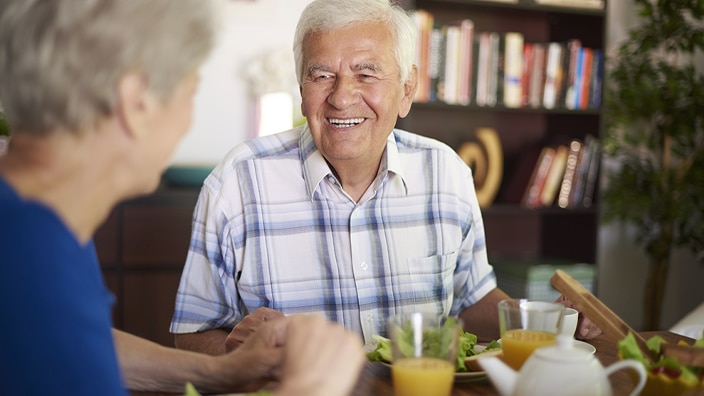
(564, 351)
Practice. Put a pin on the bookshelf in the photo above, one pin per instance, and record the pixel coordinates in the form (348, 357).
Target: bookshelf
(513, 230)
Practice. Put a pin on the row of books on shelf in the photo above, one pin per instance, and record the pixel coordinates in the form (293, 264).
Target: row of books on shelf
(589, 4)
(461, 66)
(564, 175)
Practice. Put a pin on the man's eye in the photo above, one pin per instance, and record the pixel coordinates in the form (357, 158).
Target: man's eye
(321, 77)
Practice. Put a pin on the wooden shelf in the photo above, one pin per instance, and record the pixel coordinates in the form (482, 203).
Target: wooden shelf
(513, 231)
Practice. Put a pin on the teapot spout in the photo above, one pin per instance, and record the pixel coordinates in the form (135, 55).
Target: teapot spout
(501, 375)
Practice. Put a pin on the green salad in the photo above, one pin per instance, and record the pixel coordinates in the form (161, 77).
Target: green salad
(433, 341)
(669, 366)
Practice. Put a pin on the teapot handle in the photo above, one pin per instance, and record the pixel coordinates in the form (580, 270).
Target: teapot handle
(632, 364)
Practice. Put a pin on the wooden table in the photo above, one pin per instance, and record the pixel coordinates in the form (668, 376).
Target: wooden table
(375, 379)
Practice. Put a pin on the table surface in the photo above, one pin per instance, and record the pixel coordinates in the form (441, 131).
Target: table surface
(375, 379)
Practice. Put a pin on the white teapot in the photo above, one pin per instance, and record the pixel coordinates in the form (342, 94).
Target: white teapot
(558, 370)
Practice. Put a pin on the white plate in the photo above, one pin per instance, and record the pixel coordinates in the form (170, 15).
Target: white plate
(460, 377)
(466, 376)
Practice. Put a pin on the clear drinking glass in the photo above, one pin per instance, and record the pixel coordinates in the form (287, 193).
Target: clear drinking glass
(424, 353)
(525, 326)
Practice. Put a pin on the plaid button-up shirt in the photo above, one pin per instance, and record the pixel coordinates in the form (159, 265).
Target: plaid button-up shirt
(273, 227)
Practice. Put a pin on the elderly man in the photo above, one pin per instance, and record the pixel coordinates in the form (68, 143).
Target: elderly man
(345, 215)
(97, 94)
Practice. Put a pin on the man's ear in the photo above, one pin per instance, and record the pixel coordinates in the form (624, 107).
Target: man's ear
(409, 92)
(303, 109)
(134, 103)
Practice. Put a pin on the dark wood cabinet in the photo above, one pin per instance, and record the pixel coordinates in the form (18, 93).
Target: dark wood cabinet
(512, 230)
(142, 248)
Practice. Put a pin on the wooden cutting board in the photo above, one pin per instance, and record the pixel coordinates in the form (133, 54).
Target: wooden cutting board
(584, 301)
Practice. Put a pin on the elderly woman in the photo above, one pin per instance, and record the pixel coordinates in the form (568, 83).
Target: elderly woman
(97, 94)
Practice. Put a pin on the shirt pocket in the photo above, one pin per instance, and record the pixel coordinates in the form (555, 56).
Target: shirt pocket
(431, 282)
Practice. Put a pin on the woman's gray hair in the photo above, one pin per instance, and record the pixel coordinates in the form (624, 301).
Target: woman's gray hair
(326, 15)
(61, 60)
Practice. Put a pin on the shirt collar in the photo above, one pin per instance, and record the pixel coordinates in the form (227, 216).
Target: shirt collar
(315, 168)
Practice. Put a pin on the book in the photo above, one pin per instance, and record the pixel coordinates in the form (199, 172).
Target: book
(591, 4)
(585, 79)
(424, 24)
(526, 71)
(452, 59)
(552, 182)
(475, 66)
(513, 70)
(596, 79)
(568, 178)
(592, 175)
(573, 52)
(495, 72)
(482, 80)
(440, 83)
(466, 61)
(436, 53)
(552, 65)
(537, 76)
(532, 196)
(580, 175)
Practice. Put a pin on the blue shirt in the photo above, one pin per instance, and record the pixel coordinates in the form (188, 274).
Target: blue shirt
(56, 336)
(273, 227)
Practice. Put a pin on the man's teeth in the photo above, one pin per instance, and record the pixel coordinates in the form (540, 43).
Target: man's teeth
(345, 123)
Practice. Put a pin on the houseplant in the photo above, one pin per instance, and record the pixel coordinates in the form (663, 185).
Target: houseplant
(4, 133)
(654, 178)
(4, 129)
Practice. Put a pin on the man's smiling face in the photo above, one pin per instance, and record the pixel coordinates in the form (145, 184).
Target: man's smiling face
(351, 91)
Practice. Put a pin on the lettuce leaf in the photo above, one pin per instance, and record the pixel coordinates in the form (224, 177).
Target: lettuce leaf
(628, 349)
(434, 341)
(466, 348)
(382, 352)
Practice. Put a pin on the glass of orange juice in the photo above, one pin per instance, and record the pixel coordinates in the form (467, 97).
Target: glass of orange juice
(525, 326)
(424, 353)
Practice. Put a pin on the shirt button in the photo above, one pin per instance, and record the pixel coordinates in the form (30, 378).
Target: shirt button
(364, 266)
(370, 317)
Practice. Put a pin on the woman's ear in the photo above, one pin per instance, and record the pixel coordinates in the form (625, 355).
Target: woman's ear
(135, 103)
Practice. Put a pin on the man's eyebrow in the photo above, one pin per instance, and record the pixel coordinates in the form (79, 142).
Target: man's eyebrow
(368, 66)
(316, 68)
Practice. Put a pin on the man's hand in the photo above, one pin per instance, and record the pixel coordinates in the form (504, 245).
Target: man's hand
(586, 329)
(248, 325)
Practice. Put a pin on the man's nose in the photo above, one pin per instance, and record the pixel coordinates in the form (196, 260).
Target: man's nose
(344, 93)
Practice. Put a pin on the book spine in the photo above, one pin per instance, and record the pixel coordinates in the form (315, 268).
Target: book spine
(513, 69)
(483, 68)
(537, 77)
(451, 63)
(466, 50)
(585, 81)
(581, 173)
(531, 198)
(436, 41)
(573, 50)
(495, 69)
(551, 70)
(526, 72)
(552, 182)
(424, 22)
(568, 179)
(597, 73)
(592, 175)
